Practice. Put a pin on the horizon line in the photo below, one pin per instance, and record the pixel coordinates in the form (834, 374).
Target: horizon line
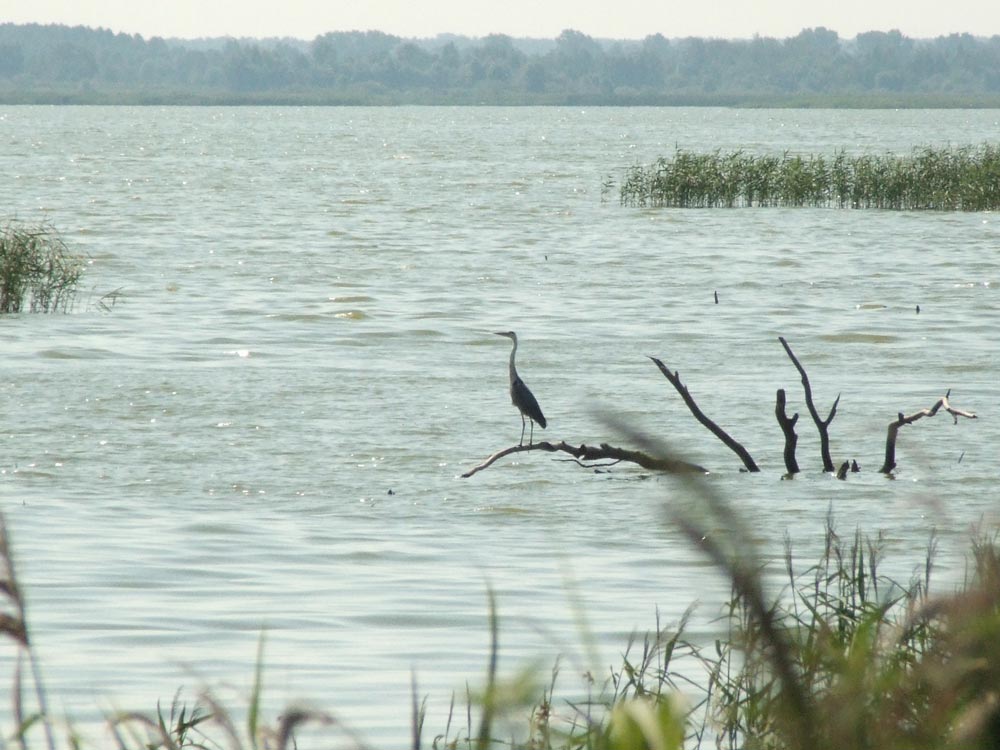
(474, 37)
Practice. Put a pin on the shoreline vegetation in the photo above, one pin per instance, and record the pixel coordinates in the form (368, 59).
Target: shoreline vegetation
(965, 178)
(56, 64)
(842, 658)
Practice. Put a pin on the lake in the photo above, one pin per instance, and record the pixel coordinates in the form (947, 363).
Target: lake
(265, 433)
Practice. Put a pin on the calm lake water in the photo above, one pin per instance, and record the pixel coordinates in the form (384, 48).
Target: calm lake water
(266, 431)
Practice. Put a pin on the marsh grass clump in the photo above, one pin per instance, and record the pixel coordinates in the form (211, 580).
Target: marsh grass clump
(814, 667)
(964, 178)
(639, 705)
(38, 273)
(842, 658)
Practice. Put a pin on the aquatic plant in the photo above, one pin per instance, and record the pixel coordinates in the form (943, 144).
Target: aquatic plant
(964, 178)
(38, 273)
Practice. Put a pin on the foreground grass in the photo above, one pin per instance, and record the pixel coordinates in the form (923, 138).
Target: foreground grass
(943, 179)
(38, 273)
(842, 658)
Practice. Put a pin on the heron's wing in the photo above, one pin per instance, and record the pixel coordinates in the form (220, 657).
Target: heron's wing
(526, 402)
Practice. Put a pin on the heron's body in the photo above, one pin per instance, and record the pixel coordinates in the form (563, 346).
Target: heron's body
(521, 396)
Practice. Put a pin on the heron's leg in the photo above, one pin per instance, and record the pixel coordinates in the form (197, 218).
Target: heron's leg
(531, 434)
(522, 430)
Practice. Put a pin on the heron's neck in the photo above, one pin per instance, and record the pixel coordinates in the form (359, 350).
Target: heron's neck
(513, 370)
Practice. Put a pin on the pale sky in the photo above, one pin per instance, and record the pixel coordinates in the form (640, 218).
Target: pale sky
(616, 19)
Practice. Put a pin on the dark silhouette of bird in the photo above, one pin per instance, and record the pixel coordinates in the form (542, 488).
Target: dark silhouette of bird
(521, 396)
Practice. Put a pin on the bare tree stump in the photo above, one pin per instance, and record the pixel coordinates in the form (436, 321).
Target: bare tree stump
(842, 471)
(902, 421)
(788, 428)
(821, 425)
(733, 445)
(604, 452)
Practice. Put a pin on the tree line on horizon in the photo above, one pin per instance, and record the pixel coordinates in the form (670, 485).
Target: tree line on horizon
(62, 64)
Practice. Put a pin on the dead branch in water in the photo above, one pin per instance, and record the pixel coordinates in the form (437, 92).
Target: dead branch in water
(586, 455)
(901, 421)
(603, 452)
(788, 428)
(736, 447)
(821, 425)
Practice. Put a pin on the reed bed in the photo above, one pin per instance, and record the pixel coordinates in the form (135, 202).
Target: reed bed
(965, 178)
(38, 273)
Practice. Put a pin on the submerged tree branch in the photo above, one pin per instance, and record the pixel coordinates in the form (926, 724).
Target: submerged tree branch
(788, 428)
(901, 421)
(603, 452)
(733, 445)
(821, 425)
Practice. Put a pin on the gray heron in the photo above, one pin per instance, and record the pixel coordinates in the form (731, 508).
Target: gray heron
(520, 395)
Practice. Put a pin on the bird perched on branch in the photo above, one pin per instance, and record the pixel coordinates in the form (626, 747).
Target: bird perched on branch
(520, 395)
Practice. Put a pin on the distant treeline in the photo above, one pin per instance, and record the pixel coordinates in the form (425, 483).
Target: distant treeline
(60, 64)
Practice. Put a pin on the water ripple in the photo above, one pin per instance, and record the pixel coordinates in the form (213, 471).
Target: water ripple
(264, 435)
